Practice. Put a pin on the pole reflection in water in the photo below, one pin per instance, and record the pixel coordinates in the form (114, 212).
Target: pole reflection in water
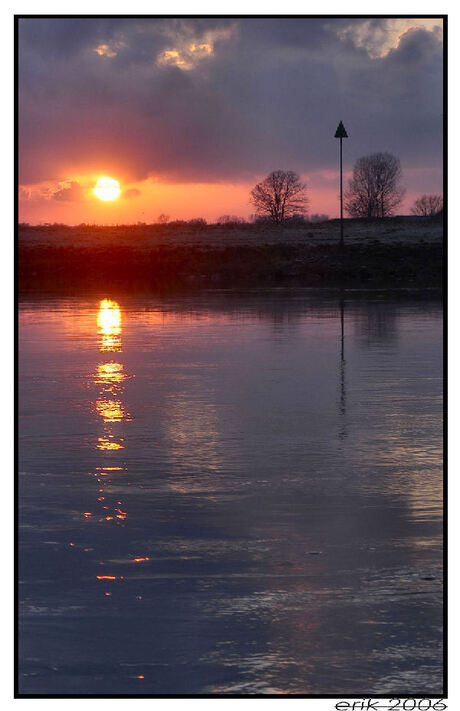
(342, 403)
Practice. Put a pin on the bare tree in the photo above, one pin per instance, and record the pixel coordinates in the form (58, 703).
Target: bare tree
(375, 189)
(280, 195)
(428, 205)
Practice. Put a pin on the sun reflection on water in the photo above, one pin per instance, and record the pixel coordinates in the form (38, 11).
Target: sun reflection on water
(107, 444)
(109, 373)
(109, 326)
(111, 410)
(109, 376)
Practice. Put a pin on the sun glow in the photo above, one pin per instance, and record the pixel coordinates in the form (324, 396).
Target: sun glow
(107, 189)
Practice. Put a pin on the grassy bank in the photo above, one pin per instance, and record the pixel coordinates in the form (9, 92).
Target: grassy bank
(59, 266)
(385, 253)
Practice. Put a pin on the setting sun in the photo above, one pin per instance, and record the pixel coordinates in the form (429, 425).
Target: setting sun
(107, 189)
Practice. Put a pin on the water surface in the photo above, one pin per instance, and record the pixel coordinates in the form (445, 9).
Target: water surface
(231, 494)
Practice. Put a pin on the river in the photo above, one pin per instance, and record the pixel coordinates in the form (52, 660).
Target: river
(230, 493)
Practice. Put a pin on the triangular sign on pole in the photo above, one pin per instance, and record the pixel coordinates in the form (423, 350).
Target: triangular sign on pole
(341, 133)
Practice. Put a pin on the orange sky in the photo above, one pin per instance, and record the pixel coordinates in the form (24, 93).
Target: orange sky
(138, 202)
(145, 201)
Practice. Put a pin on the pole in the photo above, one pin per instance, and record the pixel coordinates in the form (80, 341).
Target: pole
(341, 133)
(341, 196)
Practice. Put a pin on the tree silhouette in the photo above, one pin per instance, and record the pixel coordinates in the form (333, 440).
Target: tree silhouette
(374, 190)
(280, 195)
(428, 205)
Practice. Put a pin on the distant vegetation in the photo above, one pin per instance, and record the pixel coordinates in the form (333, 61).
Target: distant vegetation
(163, 219)
(428, 205)
(256, 224)
(230, 220)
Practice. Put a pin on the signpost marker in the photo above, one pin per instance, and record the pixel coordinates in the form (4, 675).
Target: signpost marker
(341, 133)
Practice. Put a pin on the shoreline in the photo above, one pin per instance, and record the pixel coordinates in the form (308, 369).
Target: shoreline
(139, 259)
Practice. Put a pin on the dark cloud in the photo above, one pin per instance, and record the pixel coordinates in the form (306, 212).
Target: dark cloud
(131, 193)
(24, 193)
(269, 95)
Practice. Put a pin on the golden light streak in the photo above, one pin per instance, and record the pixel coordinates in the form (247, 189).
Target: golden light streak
(106, 577)
(108, 445)
(111, 410)
(109, 326)
(108, 373)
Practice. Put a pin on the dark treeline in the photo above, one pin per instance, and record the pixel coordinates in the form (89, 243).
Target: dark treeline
(223, 223)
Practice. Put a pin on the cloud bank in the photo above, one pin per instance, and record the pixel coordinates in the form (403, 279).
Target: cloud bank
(223, 100)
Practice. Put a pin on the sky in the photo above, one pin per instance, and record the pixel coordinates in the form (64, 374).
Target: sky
(189, 114)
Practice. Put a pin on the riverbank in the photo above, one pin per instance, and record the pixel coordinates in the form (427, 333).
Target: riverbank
(394, 253)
